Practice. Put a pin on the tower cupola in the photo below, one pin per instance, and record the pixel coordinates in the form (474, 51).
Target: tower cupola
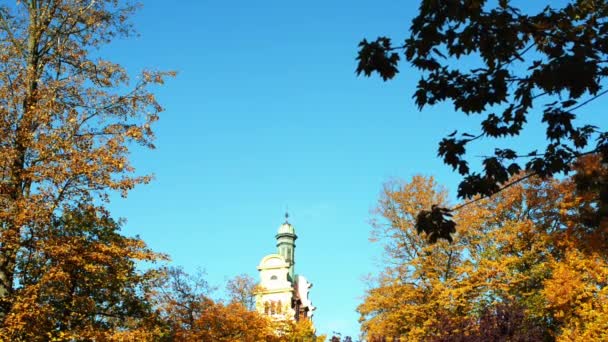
(286, 246)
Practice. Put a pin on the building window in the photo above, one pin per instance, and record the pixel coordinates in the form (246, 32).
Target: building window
(274, 277)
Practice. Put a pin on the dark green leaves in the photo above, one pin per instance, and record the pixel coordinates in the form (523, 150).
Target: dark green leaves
(436, 224)
(452, 149)
(553, 62)
(377, 57)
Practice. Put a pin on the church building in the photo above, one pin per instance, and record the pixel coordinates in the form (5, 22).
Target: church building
(283, 294)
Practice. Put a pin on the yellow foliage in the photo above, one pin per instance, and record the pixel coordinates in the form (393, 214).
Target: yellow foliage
(528, 248)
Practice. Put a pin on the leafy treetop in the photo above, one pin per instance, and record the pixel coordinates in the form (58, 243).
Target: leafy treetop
(553, 61)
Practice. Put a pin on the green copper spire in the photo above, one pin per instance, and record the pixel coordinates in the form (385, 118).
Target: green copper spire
(286, 246)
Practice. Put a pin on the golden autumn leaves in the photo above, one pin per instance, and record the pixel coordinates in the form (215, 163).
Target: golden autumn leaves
(521, 255)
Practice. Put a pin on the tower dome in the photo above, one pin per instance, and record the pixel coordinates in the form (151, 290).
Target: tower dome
(286, 228)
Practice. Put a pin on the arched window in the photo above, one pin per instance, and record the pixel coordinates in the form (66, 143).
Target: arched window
(272, 308)
(266, 308)
(274, 277)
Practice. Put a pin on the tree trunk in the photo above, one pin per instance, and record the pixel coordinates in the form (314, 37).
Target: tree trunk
(11, 236)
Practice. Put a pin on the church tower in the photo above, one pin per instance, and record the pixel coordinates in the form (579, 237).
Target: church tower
(286, 245)
(282, 294)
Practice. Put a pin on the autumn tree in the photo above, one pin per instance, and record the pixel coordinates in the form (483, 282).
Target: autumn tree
(181, 298)
(297, 331)
(78, 280)
(519, 66)
(403, 297)
(524, 247)
(68, 119)
(242, 289)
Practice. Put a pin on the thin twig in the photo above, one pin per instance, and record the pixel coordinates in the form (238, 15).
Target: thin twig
(10, 34)
(499, 190)
(517, 181)
(589, 100)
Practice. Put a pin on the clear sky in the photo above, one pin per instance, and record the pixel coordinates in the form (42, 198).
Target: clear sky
(266, 112)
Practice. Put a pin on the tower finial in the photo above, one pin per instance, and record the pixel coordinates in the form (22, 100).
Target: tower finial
(287, 215)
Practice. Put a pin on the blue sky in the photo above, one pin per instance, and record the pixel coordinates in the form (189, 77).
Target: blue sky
(267, 112)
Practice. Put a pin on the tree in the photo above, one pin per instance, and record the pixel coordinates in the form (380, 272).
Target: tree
(297, 331)
(522, 255)
(404, 297)
(181, 299)
(233, 322)
(79, 281)
(242, 289)
(552, 62)
(68, 119)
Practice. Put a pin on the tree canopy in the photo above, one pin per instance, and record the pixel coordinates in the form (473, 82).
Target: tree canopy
(545, 65)
(520, 268)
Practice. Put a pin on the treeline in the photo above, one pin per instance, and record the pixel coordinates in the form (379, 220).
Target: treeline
(80, 282)
(529, 264)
